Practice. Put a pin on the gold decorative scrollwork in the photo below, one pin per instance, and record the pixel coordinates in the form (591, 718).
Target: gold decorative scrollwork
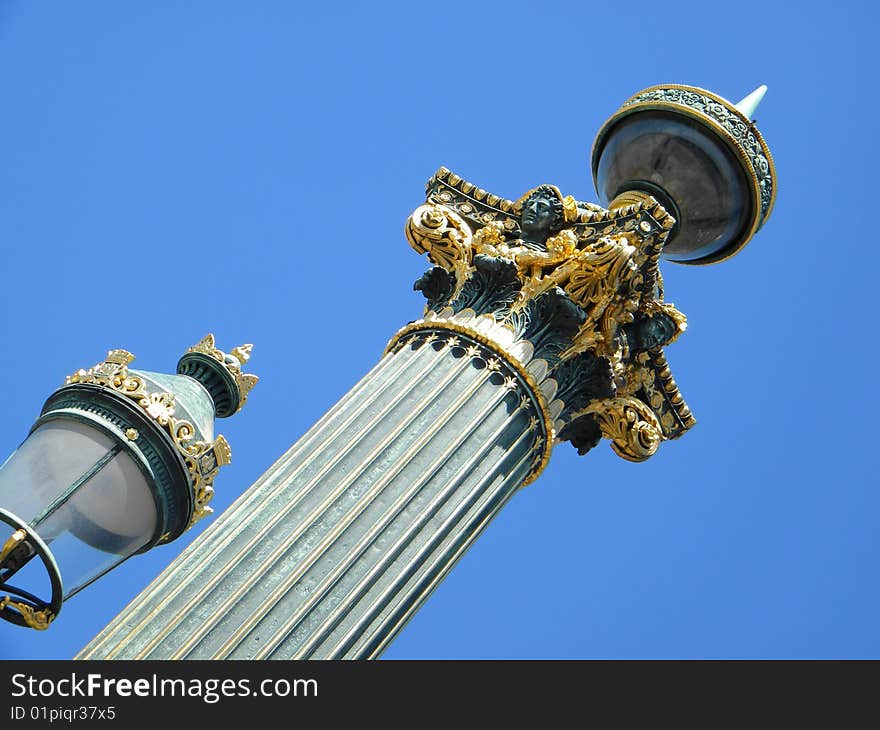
(489, 238)
(38, 619)
(203, 461)
(444, 235)
(599, 269)
(629, 424)
(560, 248)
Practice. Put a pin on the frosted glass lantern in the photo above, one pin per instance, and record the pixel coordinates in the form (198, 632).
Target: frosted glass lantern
(119, 461)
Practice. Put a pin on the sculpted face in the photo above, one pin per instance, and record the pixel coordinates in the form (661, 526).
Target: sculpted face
(654, 331)
(538, 215)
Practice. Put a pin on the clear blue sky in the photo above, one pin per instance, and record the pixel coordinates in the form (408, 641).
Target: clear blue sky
(170, 169)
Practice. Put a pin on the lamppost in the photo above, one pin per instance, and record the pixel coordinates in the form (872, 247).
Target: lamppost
(119, 461)
(545, 322)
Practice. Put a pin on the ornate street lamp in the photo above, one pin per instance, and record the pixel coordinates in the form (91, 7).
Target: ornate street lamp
(545, 322)
(119, 461)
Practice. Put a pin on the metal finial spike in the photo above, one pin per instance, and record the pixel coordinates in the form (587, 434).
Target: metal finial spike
(748, 104)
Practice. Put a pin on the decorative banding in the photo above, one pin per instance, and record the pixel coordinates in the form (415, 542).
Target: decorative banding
(524, 375)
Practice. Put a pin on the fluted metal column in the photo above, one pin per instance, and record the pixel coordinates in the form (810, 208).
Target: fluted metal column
(334, 548)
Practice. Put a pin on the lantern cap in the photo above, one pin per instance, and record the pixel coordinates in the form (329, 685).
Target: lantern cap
(220, 373)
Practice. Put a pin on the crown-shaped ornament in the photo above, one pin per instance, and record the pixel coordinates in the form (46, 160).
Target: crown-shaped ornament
(221, 373)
